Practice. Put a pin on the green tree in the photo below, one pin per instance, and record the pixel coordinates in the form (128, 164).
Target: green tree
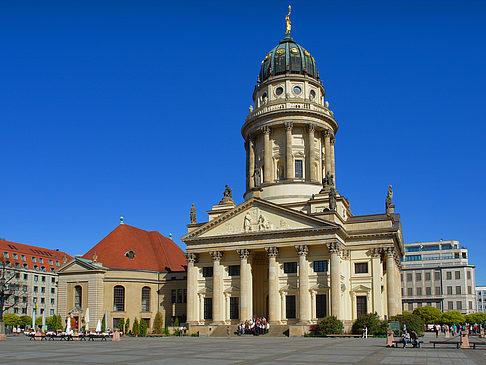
(11, 319)
(452, 317)
(428, 314)
(127, 325)
(103, 329)
(135, 327)
(158, 324)
(176, 322)
(374, 324)
(38, 321)
(330, 325)
(25, 320)
(412, 321)
(59, 323)
(143, 327)
(121, 324)
(476, 318)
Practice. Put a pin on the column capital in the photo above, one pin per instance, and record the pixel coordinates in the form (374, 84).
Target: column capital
(389, 251)
(191, 257)
(289, 126)
(216, 255)
(376, 252)
(272, 251)
(243, 253)
(333, 139)
(250, 137)
(311, 127)
(302, 250)
(335, 247)
(266, 129)
(327, 133)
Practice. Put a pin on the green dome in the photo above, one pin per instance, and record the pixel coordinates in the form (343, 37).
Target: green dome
(288, 58)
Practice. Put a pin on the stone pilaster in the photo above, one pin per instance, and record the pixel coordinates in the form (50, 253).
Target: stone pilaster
(218, 310)
(335, 249)
(377, 275)
(304, 294)
(289, 163)
(333, 162)
(311, 175)
(192, 315)
(245, 302)
(392, 299)
(251, 162)
(327, 146)
(273, 302)
(267, 171)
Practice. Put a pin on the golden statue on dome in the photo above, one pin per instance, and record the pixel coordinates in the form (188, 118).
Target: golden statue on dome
(288, 24)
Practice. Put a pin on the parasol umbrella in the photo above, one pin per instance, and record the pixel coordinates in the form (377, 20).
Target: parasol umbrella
(86, 319)
(43, 322)
(98, 326)
(106, 321)
(33, 319)
(68, 326)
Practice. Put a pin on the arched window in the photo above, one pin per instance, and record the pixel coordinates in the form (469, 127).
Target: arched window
(78, 296)
(119, 298)
(145, 299)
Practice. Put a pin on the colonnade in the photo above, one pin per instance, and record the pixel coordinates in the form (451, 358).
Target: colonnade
(327, 160)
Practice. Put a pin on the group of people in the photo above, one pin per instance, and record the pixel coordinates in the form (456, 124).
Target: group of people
(410, 337)
(256, 326)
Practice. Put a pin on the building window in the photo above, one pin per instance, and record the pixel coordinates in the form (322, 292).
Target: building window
(457, 275)
(41, 260)
(468, 275)
(33, 259)
(116, 322)
(173, 296)
(431, 248)
(449, 275)
(53, 290)
(207, 271)
(299, 172)
(43, 300)
(409, 292)
(427, 276)
(43, 279)
(450, 305)
(78, 296)
(409, 277)
(469, 289)
(470, 305)
(36, 278)
(428, 291)
(361, 268)
(25, 266)
(290, 267)
(320, 266)
(413, 249)
(208, 308)
(52, 301)
(437, 275)
(22, 257)
(413, 257)
(410, 307)
(50, 262)
(179, 295)
(24, 310)
(5, 255)
(15, 256)
(437, 290)
(147, 321)
(419, 291)
(36, 289)
(185, 296)
(119, 298)
(145, 299)
(234, 307)
(458, 305)
(418, 276)
(36, 267)
(234, 270)
(57, 263)
(449, 290)
(24, 299)
(43, 289)
(53, 280)
(458, 290)
(321, 305)
(51, 312)
(290, 306)
(361, 305)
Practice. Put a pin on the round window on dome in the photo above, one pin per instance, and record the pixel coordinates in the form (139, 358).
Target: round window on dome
(294, 50)
(279, 90)
(280, 51)
(297, 90)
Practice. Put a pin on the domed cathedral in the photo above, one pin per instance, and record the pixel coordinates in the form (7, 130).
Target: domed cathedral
(292, 252)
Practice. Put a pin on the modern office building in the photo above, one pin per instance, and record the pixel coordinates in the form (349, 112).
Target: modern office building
(481, 299)
(34, 272)
(438, 274)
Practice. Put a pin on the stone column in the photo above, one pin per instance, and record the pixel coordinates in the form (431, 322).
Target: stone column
(289, 160)
(327, 146)
(333, 162)
(390, 282)
(245, 304)
(218, 310)
(251, 161)
(282, 305)
(377, 274)
(304, 295)
(273, 310)
(267, 171)
(201, 307)
(192, 315)
(335, 250)
(313, 305)
(311, 175)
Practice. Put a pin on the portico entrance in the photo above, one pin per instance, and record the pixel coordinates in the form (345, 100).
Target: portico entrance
(260, 284)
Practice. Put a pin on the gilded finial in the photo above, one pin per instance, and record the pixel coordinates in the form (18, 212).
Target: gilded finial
(288, 24)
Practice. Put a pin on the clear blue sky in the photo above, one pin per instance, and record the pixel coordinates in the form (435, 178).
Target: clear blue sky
(134, 108)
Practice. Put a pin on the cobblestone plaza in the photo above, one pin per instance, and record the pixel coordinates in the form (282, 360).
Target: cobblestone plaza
(244, 350)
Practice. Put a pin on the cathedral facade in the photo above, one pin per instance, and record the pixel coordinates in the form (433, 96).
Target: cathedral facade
(293, 251)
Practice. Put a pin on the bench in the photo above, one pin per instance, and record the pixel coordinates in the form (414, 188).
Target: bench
(475, 343)
(348, 335)
(396, 342)
(457, 343)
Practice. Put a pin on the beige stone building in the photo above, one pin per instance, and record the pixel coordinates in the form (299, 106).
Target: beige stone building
(131, 273)
(292, 251)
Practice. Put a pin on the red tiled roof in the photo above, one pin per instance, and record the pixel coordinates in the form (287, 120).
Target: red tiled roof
(153, 251)
(31, 252)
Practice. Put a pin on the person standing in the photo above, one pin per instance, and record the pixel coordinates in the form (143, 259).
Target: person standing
(365, 332)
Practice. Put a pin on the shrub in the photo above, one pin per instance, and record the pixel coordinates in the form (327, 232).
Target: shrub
(127, 325)
(121, 324)
(158, 324)
(135, 327)
(51, 321)
(452, 317)
(412, 321)
(176, 322)
(428, 314)
(38, 321)
(374, 324)
(11, 319)
(143, 327)
(330, 325)
(25, 320)
(59, 324)
(166, 331)
(103, 328)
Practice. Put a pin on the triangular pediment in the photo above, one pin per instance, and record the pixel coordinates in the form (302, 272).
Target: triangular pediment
(361, 288)
(257, 216)
(79, 265)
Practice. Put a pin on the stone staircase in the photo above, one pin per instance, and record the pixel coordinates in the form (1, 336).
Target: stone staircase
(274, 331)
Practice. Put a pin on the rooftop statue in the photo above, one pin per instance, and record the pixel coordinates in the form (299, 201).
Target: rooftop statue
(332, 199)
(288, 24)
(228, 192)
(193, 214)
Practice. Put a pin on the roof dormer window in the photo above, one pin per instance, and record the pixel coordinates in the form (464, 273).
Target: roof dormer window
(130, 254)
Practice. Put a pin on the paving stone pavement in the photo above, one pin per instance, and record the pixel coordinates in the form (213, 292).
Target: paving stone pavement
(221, 351)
